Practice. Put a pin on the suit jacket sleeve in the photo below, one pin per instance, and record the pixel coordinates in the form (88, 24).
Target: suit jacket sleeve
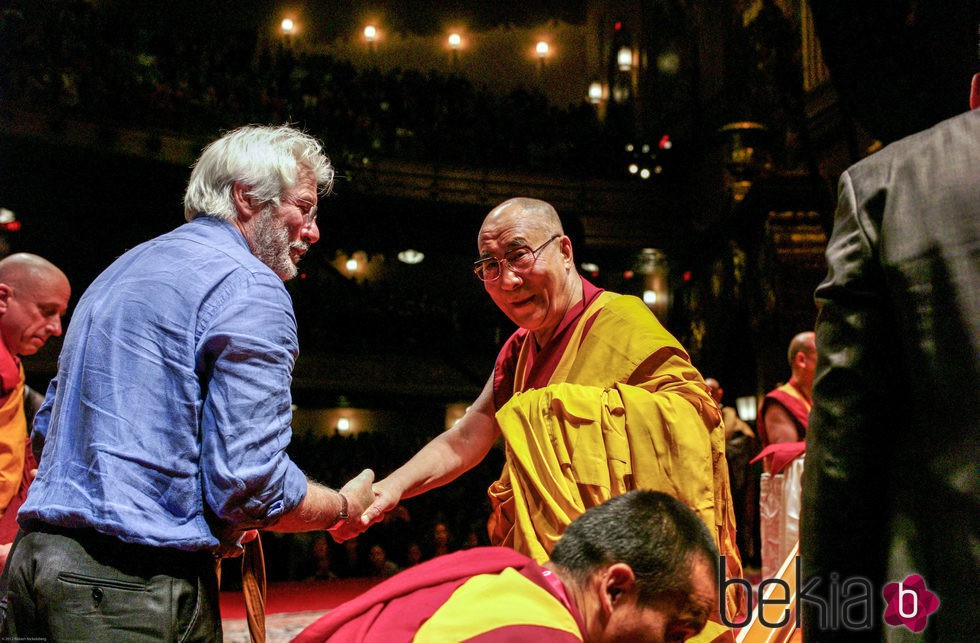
(844, 448)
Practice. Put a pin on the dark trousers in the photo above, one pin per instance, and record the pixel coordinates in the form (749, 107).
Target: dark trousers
(78, 585)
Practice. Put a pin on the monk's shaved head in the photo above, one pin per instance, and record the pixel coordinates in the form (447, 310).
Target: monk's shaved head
(25, 270)
(34, 296)
(535, 213)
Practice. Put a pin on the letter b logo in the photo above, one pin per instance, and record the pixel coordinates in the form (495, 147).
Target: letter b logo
(909, 603)
(907, 597)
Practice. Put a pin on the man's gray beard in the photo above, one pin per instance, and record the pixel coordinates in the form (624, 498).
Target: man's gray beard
(270, 243)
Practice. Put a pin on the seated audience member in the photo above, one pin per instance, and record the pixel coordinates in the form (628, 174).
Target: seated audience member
(640, 567)
(351, 563)
(320, 556)
(440, 540)
(378, 564)
(413, 555)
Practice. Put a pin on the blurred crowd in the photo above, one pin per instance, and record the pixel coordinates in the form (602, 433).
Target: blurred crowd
(75, 60)
(441, 521)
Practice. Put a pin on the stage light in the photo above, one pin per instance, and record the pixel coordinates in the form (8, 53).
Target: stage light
(343, 425)
(287, 26)
(455, 40)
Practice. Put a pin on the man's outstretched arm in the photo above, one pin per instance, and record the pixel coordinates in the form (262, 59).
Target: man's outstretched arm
(442, 460)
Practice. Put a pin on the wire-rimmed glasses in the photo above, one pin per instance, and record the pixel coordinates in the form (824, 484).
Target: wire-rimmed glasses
(309, 214)
(519, 260)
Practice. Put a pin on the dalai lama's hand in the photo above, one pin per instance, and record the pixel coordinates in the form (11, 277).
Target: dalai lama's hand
(359, 494)
(384, 501)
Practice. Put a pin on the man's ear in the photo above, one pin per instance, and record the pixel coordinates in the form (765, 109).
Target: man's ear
(6, 292)
(566, 249)
(618, 583)
(799, 360)
(246, 205)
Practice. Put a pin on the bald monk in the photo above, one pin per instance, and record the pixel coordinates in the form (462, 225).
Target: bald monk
(34, 296)
(592, 396)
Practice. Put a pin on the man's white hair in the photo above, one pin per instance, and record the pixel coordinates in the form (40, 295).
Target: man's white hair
(264, 158)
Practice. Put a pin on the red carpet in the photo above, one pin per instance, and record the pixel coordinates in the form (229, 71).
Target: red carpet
(299, 596)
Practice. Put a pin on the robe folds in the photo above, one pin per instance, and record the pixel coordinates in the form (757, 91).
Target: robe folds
(13, 434)
(624, 409)
(795, 404)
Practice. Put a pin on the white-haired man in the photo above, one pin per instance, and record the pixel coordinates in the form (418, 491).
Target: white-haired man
(166, 426)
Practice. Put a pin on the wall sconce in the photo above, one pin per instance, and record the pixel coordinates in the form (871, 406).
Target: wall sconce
(652, 265)
(747, 408)
(624, 58)
(455, 42)
(358, 265)
(595, 93)
(542, 49)
(371, 35)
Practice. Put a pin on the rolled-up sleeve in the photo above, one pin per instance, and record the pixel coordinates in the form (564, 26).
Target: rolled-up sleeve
(245, 362)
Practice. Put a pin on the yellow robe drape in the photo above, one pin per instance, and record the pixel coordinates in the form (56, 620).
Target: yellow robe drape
(625, 409)
(13, 431)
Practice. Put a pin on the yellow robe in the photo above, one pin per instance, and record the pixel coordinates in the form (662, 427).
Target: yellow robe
(624, 409)
(13, 431)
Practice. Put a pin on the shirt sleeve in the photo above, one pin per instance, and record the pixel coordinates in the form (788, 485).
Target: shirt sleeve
(245, 363)
(42, 419)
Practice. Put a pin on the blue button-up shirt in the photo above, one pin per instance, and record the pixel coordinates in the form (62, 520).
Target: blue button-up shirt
(168, 420)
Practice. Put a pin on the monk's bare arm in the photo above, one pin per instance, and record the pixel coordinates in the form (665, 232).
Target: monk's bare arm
(442, 460)
(780, 426)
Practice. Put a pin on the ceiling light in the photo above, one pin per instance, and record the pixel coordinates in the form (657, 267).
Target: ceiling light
(410, 256)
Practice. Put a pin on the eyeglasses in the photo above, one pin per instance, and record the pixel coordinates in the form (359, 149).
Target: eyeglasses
(309, 215)
(519, 260)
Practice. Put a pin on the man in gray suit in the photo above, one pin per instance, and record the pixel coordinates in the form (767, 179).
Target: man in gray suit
(890, 486)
